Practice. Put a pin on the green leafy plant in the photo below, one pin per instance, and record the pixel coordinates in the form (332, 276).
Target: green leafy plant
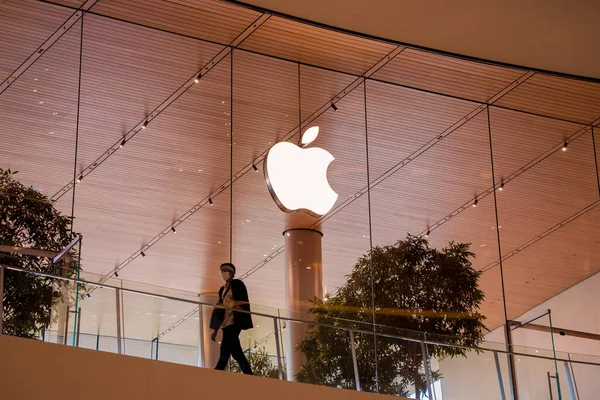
(417, 289)
(29, 220)
(261, 363)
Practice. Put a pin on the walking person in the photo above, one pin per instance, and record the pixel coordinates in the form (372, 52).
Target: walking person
(233, 296)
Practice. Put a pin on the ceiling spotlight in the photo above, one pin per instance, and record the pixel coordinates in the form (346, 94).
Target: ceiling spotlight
(89, 295)
(198, 78)
(79, 178)
(427, 233)
(501, 186)
(145, 124)
(173, 229)
(254, 168)
(564, 148)
(210, 201)
(475, 202)
(143, 254)
(116, 274)
(334, 107)
(122, 143)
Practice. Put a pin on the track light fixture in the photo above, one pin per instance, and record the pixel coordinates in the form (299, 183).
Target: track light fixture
(210, 201)
(143, 254)
(116, 274)
(427, 233)
(145, 124)
(122, 143)
(475, 202)
(254, 167)
(173, 229)
(89, 295)
(197, 79)
(334, 107)
(564, 148)
(79, 178)
(501, 186)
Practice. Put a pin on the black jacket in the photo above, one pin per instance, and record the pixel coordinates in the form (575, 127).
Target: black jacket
(242, 320)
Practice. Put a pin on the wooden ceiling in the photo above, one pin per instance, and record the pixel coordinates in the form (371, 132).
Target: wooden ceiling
(428, 145)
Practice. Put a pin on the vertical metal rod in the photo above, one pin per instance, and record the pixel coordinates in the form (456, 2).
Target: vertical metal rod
(430, 370)
(554, 352)
(78, 326)
(98, 341)
(66, 332)
(354, 360)
(499, 372)
(1, 296)
(156, 349)
(76, 323)
(201, 362)
(511, 361)
(279, 365)
(118, 310)
(370, 235)
(568, 372)
(550, 386)
(426, 368)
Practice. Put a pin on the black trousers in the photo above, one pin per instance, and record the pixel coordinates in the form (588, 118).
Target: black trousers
(231, 347)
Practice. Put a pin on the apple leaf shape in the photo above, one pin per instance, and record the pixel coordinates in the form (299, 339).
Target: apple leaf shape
(309, 136)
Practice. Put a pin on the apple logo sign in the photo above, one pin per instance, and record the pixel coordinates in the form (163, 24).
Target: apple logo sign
(297, 177)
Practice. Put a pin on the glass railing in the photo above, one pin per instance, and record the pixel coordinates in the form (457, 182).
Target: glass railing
(169, 325)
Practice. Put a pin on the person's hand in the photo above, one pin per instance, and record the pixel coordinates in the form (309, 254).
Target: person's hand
(237, 308)
(214, 336)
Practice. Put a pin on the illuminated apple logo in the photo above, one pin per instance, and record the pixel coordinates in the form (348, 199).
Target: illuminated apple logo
(297, 177)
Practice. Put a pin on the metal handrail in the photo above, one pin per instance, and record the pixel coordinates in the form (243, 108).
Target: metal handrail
(363, 331)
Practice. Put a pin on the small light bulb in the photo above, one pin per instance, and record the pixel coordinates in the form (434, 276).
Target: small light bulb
(501, 186)
(79, 178)
(145, 124)
(475, 202)
(210, 201)
(122, 143)
(197, 79)
(564, 148)
(427, 233)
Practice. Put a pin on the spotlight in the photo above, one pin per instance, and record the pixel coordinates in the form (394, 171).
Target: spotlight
(475, 202)
(173, 229)
(79, 178)
(116, 274)
(427, 234)
(334, 107)
(143, 254)
(564, 148)
(501, 186)
(198, 78)
(122, 143)
(89, 295)
(254, 168)
(210, 201)
(145, 124)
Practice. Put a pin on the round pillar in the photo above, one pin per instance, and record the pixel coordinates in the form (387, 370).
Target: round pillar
(303, 282)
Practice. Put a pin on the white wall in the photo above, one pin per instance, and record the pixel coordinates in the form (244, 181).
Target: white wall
(475, 377)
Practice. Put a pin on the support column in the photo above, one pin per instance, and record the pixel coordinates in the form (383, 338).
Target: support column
(303, 282)
(211, 349)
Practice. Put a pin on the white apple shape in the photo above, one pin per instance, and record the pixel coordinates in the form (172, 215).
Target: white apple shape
(297, 177)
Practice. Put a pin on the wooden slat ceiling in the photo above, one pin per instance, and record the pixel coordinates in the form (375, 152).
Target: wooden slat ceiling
(144, 51)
